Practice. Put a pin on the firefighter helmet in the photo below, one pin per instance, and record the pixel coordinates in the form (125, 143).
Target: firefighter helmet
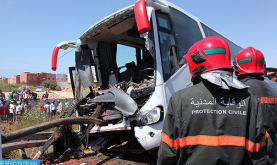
(208, 54)
(249, 60)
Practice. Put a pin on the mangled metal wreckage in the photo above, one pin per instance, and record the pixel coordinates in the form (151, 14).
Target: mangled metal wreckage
(135, 58)
(123, 100)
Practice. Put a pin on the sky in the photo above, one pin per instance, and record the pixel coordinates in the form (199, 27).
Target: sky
(30, 29)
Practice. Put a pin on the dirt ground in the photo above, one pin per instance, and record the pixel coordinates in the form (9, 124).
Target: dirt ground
(110, 159)
(105, 160)
(57, 94)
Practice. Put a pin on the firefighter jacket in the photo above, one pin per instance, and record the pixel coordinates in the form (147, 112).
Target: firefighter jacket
(209, 125)
(268, 100)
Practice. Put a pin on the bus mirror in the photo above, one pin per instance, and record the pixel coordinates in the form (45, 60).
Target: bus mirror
(63, 45)
(141, 17)
(55, 58)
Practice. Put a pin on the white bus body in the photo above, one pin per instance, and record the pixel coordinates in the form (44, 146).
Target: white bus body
(167, 32)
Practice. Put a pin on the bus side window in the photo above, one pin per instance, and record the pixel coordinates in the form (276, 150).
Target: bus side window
(167, 41)
(186, 31)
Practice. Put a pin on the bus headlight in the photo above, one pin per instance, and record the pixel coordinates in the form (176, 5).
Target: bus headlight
(152, 116)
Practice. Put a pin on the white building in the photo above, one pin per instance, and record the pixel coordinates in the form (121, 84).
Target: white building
(63, 80)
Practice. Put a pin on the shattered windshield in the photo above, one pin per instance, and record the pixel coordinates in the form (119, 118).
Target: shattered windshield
(121, 57)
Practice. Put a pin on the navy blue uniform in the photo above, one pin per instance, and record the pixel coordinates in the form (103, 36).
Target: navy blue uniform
(267, 96)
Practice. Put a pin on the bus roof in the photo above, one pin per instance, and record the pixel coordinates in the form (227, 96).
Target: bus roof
(90, 30)
(93, 31)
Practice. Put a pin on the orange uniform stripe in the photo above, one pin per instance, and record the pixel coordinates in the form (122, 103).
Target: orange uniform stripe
(215, 141)
(268, 100)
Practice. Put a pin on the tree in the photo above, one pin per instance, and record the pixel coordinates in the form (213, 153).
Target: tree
(57, 88)
(46, 84)
(49, 84)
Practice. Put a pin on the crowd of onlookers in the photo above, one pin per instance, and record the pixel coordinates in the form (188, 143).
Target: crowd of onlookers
(19, 102)
(51, 108)
(16, 103)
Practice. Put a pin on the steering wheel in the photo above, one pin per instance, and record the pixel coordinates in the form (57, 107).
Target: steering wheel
(147, 73)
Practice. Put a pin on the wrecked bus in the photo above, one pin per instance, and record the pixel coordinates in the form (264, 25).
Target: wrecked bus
(132, 98)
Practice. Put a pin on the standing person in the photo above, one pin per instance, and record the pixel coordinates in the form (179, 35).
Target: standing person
(18, 110)
(21, 95)
(249, 66)
(45, 96)
(24, 95)
(53, 109)
(9, 96)
(2, 110)
(23, 103)
(1, 104)
(59, 107)
(12, 93)
(56, 103)
(26, 106)
(2, 96)
(7, 110)
(27, 95)
(29, 106)
(40, 107)
(34, 96)
(12, 111)
(16, 96)
(216, 121)
(66, 103)
(47, 108)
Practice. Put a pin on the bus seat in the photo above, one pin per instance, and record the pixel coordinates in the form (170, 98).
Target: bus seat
(112, 79)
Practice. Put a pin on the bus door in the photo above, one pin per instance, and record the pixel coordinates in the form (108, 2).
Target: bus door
(83, 76)
(177, 32)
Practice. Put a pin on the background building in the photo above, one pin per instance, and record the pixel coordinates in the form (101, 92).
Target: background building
(3, 80)
(16, 79)
(10, 81)
(29, 78)
(51, 77)
(63, 80)
(34, 79)
(42, 76)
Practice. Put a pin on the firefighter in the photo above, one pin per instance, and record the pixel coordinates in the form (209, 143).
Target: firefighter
(216, 121)
(249, 65)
